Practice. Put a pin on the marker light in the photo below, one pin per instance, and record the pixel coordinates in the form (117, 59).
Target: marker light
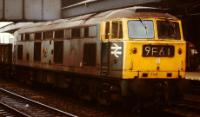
(134, 50)
(180, 51)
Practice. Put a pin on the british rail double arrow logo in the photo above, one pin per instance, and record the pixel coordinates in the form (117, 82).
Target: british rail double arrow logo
(116, 50)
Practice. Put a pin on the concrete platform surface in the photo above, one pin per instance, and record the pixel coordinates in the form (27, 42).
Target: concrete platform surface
(193, 75)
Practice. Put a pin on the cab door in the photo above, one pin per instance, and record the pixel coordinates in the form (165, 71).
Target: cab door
(111, 48)
(105, 48)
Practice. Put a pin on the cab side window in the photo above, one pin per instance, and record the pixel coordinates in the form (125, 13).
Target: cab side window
(117, 30)
(107, 30)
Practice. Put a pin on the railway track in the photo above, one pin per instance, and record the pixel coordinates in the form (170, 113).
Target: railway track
(14, 105)
(6, 111)
(195, 87)
(188, 107)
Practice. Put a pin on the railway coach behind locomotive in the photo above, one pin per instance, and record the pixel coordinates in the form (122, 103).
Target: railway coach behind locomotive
(136, 52)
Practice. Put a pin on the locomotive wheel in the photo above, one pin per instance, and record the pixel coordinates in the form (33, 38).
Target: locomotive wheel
(103, 98)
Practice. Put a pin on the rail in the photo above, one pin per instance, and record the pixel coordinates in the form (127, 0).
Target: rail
(27, 107)
(188, 107)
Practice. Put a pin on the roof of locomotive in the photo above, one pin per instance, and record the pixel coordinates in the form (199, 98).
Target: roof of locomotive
(95, 18)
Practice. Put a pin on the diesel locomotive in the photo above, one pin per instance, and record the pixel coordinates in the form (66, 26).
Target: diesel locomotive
(135, 53)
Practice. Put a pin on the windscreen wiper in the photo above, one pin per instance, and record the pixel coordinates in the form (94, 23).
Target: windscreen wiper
(145, 27)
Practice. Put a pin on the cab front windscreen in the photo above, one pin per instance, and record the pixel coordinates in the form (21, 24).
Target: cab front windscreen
(168, 30)
(141, 29)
